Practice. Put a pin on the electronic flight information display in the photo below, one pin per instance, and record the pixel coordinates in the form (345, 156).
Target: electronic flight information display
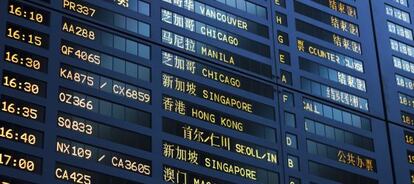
(206, 92)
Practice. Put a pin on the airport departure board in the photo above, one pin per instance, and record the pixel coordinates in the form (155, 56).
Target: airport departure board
(206, 92)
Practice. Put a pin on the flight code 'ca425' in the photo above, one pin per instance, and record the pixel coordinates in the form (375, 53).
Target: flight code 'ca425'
(73, 176)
